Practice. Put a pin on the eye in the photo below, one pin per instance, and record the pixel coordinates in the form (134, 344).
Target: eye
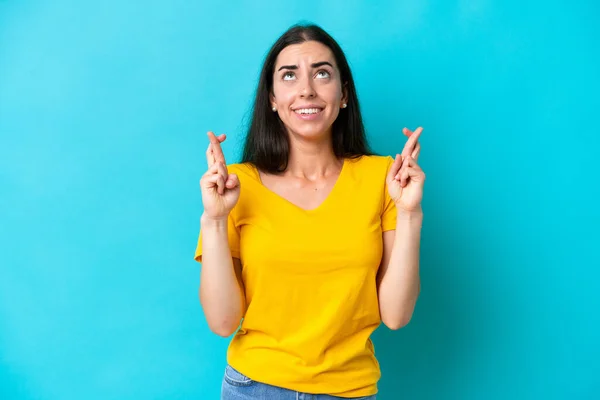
(323, 74)
(288, 76)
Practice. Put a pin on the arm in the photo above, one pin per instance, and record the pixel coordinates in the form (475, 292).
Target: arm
(221, 286)
(221, 289)
(398, 279)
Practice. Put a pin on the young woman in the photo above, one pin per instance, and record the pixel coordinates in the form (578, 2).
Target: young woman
(311, 241)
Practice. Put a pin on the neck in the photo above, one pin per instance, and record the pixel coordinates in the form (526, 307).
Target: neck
(312, 159)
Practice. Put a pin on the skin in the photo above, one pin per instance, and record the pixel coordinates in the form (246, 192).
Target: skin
(306, 74)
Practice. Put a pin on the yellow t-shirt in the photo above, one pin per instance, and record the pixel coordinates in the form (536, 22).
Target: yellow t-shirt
(310, 281)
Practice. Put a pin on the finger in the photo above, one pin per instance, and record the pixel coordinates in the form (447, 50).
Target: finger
(416, 174)
(232, 181)
(210, 157)
(222, 169)
(402, 167)
(222, 172)
(396, 165)
(214, 169)
(211, 171)
(209, 181)
(410, 171)
(220, 138)
(404, 175)
(216, 147)
(405, 160)
(220, 184)
(410, 162)
(416, 152)
(411, 142)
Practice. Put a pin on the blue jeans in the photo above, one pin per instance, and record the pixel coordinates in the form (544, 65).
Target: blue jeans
(237, 386)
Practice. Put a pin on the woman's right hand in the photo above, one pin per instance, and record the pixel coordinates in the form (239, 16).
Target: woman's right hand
(220, 190)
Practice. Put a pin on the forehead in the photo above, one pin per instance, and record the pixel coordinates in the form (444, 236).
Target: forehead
(305, 52)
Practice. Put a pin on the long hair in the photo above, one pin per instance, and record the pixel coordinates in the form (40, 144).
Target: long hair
(267, 144)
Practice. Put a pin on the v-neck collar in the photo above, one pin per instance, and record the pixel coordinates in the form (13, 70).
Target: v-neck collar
(321, 205)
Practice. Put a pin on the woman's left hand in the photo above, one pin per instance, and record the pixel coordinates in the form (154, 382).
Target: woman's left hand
(405, 179)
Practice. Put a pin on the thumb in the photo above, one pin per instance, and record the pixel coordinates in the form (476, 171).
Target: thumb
(232, 181)
(395, 167)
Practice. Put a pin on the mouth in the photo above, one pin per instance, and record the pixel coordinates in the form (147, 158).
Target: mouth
(308, 111)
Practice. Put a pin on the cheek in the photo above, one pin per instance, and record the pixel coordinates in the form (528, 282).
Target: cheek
(331, 93)
(282, 94)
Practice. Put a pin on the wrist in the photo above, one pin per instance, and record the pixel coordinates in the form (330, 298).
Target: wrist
(413, 212)
(415, 215)
(212, 222)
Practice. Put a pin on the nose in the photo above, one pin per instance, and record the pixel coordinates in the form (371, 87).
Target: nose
(307, 90)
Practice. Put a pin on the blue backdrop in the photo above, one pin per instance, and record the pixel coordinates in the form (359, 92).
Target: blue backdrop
(104, 108)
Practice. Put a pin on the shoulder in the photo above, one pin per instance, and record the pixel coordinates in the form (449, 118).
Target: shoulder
(244, 171)
(371, 163)
(249, 178)
(249, 189)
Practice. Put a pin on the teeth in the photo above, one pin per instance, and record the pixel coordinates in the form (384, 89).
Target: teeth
(308, 110)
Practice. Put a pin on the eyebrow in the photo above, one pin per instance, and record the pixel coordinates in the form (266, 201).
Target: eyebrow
(315, 65)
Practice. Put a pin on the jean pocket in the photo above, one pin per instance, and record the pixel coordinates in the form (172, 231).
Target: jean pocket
(236, 378)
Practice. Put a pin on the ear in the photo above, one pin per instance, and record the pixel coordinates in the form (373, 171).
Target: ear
(272, 99)
(344, 98)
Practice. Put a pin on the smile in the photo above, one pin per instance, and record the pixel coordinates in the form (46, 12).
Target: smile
(308, 111)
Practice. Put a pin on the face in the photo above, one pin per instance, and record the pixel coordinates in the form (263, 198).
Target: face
(307, 89)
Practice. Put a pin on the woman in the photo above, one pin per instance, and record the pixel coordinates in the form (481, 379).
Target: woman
(299, 239)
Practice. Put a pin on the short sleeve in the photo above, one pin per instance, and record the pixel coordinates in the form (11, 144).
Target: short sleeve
(233, 234)
(388, 216)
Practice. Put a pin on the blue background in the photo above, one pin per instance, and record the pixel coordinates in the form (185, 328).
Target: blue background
(104, 108)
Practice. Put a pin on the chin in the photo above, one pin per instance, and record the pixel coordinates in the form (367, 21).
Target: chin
(315, 133)
(310, 131)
